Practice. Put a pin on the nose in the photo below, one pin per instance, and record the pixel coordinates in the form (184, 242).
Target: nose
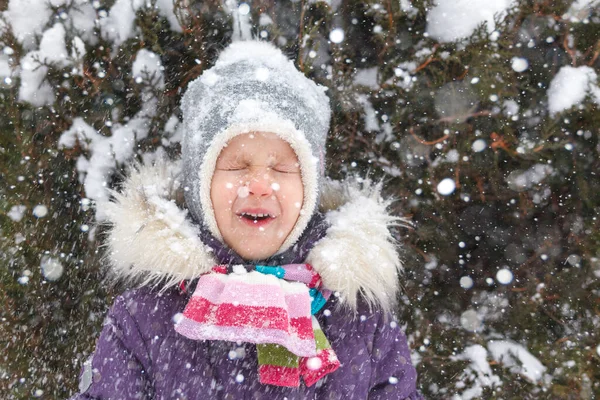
(259, 182)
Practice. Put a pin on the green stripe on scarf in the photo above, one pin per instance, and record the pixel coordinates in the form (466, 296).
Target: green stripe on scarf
(274, 354)
(321, 340)
(278, 356)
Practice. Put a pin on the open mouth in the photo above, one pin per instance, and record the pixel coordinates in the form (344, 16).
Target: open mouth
(256, 217)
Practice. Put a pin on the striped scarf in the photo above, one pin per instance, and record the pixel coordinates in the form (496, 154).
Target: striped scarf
(272, 306)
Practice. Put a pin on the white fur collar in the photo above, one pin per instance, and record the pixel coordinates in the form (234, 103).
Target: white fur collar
(152, 240)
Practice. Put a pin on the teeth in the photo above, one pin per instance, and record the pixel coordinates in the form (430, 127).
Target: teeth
(255, 215)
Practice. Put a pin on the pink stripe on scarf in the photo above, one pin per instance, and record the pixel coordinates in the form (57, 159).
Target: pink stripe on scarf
(298, 272)
(201, 331)
(215, 291)
(280, 376)
(328, 362)
(225, 314)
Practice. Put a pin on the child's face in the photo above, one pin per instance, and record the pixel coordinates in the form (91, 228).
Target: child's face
(256, 193)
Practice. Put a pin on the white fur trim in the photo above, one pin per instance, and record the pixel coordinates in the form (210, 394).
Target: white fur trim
(153, 241)
(358, 255)
(308, 167)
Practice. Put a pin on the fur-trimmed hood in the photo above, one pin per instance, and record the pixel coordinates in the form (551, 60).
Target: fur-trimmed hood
(153, 241)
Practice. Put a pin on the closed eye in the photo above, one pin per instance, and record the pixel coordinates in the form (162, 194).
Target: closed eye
(232, 166)
(286, 169)
(232, 169)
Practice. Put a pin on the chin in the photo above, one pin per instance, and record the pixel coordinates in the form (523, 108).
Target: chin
(248, 253)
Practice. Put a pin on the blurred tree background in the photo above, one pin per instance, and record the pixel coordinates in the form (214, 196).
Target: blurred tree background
(482, 118)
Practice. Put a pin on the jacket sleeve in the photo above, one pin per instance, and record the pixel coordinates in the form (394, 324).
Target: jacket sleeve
(119, 367)
(393, 376)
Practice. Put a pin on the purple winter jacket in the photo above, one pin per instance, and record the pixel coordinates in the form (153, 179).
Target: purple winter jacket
(139, 355)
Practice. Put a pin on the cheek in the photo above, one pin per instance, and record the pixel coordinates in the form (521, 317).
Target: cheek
(222, 195)
(291, 196)
(296, 191)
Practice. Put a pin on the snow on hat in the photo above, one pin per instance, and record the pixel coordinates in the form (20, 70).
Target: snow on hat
(252, 87)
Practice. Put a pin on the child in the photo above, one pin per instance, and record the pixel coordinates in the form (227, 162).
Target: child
(267, 283)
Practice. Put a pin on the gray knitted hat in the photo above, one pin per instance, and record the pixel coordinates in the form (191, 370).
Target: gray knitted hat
(252, 87)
